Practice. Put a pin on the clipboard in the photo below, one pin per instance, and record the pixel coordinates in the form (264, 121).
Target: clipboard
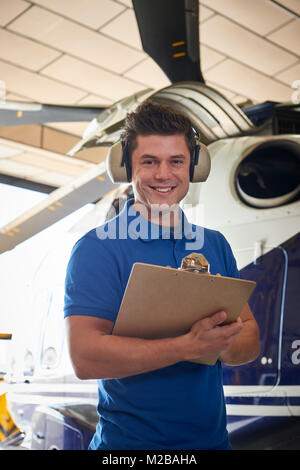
(161, 302)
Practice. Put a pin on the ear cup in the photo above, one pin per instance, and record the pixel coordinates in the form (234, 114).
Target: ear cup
(116, 166)
(200, 168)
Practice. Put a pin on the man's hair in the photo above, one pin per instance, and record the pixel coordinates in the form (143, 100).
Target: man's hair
(152, 118)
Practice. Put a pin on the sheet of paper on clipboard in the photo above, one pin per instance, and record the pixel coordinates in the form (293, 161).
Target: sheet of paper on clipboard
(162, 302)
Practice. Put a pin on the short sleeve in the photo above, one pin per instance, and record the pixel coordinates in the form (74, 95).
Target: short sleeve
(92, 283)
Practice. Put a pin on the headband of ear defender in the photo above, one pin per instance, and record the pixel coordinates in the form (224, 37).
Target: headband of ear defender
(118, 164)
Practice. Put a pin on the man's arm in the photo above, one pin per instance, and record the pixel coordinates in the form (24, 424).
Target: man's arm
(246, 346)
(95, 353)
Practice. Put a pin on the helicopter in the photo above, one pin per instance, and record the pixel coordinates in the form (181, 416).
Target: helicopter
(255, 156)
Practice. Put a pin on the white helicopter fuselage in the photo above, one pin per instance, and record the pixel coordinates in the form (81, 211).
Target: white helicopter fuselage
(251, 231)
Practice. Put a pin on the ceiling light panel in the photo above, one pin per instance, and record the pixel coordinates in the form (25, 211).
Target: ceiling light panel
(25, 52)
(148, 73)
(125, 29)
(209, 57)
(76, 40)
(288, 36)
(128, 3)
(261, 16)
(247, 82)
(91, 78)
(205, 13)
(290, 75)
(10, 9)
(15, 97)
(95, 100)
(92, 13)
(234, 41)
(293, 5)
(36, 87)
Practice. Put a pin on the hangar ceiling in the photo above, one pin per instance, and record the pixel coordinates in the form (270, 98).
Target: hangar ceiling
(89, 52)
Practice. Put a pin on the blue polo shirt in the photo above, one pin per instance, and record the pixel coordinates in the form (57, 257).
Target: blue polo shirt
(177, 407)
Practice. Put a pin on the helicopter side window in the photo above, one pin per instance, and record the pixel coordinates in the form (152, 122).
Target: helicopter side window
(269, 176)
(53, 331)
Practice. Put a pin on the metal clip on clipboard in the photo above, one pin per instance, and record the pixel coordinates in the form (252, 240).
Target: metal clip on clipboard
(195, 262)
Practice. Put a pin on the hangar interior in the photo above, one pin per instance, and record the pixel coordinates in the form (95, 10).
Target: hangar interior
(90, 53)
(87, 55)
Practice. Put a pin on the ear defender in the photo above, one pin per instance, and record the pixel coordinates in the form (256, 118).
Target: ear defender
(117, 164)
(119, 170)
(200, 161)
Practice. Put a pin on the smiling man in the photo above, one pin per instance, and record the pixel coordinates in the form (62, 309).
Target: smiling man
(151, 396)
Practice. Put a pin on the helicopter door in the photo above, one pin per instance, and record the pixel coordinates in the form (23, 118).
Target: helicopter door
(267, 304)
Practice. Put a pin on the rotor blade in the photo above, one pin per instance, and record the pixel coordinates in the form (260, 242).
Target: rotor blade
(169, 31)
(88, 188)
(13, 113)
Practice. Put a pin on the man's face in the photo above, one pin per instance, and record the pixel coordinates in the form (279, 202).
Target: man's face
(160, 169)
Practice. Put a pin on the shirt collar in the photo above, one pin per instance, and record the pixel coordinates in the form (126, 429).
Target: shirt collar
(143, 229)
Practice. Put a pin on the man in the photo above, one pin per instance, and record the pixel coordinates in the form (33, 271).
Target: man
(151, 396)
